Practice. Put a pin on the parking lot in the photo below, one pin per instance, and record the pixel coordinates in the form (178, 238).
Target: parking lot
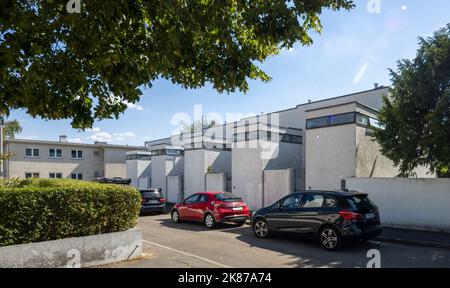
(184, 245)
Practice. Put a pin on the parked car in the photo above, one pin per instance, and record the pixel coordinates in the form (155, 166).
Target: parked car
(152, 200)
(331, 217)
(211, 208)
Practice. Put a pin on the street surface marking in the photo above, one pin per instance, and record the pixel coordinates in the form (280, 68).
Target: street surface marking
(188, 254)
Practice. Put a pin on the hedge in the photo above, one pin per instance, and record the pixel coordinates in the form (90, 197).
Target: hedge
(48, 209)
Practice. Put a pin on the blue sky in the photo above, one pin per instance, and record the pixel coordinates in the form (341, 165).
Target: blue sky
(354, 51)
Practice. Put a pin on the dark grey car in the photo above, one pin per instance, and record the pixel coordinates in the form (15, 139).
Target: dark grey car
(331, 217)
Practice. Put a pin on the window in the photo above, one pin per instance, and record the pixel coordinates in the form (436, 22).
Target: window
(202, 198)
(191, 199)
(138, 157)
(269, 135)
(55, 153)
(31, 175)
(288, 138)
(227, 197)
(55, 175)
(330, 202)
(28, 175)
(362, 119)
(77, 154)
(317, 123)
(76, 176)
(313, 201)
(247, 136)
(375, 123)
(292, 201)
(332, 120)
(340, 119)
(32, 152)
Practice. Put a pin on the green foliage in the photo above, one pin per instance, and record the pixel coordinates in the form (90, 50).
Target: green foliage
(209, 170)
(417, 113)
(11, 128)
(33, 210)
(59, 65)
(197, 126)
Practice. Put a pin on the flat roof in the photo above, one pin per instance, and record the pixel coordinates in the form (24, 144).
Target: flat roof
(46, 142)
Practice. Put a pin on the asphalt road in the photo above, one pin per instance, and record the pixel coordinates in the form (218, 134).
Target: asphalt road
(184, 245)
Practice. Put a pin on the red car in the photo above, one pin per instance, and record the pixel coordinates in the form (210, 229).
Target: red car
(211, 208)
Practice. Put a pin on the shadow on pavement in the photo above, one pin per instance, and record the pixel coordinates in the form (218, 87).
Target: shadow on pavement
(194, 226)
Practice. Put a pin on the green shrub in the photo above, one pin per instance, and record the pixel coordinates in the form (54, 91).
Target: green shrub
(33, 210)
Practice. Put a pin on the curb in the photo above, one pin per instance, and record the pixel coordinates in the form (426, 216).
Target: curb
(413, 242)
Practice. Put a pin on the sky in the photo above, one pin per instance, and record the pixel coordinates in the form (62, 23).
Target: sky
(354, 51)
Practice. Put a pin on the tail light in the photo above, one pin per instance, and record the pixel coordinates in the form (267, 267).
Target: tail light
(350, 215)
(162, 200)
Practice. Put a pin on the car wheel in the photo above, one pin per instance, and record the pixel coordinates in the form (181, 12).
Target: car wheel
(240, 223)
(330, 238)
(210, 222)
(261, 229)
(175, 216)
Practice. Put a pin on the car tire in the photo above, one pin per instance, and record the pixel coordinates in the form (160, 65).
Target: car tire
(175, 216)
(330, 238)
(240, 223)
(210, 222)
(260, 228)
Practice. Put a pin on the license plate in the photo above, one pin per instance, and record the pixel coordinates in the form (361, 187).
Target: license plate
(152, 201)
(370, 215)
(237, 208)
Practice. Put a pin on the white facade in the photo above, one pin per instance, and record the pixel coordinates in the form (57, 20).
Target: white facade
(61, 159)
(139, 168)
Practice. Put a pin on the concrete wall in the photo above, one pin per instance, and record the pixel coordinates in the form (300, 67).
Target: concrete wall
(175, 189)
(194, 171)
(247, 175)
(409, 203)
(330, 156)
(139, 171)
(216, 182)
(74, 252)
(163, 166)
(277, 184)
(196, 165)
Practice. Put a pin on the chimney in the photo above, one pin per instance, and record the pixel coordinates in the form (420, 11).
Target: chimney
(376, 85)
(63, 138)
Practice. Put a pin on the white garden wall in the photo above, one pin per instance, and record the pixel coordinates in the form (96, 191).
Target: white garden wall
(409, 203)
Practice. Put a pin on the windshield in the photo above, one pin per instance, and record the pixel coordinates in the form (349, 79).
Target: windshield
(227, 197)
(147, 193)
(361, 202)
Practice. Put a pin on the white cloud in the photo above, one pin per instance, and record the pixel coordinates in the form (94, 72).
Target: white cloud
(75, 140)
(125, 134)
(93, 129)
(101, 136)
(133, 106)
(31, 137)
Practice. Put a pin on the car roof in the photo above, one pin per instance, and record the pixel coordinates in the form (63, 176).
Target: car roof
(334, 192)
(212, 192)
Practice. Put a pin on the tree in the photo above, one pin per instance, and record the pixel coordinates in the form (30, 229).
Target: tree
(11, 128)
(197, 126)
(416, 115)
(90, 65)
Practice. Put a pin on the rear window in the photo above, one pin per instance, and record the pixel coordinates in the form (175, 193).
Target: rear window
(150, 194)
(361, 202)
(227, 197)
